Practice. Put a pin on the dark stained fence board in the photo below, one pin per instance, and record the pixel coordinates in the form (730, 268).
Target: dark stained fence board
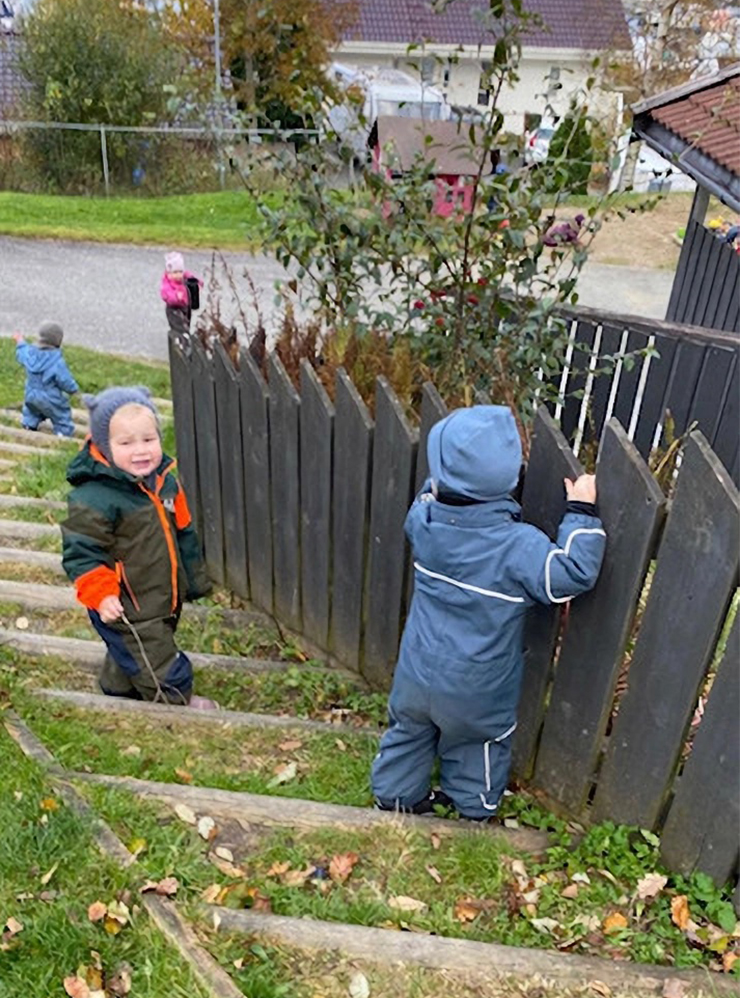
(722, 275)
(611, 338)
(209, 471)
(432, 410)
(228, 411)
(393, 479)
(630, 379)
(695, 576)
(582, 348)
(317, 419)
(692, 238)
(652, 410)
(701, 831)
(694, 272)
(728, 294)
(631, 506)
(353, 438)
(254, 398)
(707, 288)
(285, 480)
(712, 387)
(182, 404)
(727, 437)
(543, 503)
(684, 376)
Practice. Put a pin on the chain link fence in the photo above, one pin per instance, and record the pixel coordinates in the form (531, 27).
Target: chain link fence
(54, 157)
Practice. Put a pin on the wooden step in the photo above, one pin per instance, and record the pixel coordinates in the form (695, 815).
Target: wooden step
(11, 501)
(23, 530)
(487, 961)
(14, 417)
(172, 713)
(34, 438)
(11, 447)
(39, 559)
(294, 812)
(6, 465)
(89, 654)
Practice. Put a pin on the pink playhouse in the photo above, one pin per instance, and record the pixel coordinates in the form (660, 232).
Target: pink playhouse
(395, 143)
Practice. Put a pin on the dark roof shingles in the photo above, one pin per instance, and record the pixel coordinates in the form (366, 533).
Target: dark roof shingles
(709, 120)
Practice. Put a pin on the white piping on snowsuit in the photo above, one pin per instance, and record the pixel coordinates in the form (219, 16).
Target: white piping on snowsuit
(565, 551)
(487, 766)
(467, 586)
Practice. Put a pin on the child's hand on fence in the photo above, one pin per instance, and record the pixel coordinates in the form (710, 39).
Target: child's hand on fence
(110, 609)
(583, 489)
(18, 337)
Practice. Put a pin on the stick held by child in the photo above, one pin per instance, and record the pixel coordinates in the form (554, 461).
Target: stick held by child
(477, 570)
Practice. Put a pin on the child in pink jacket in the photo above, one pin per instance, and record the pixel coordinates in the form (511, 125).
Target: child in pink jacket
(176, 296)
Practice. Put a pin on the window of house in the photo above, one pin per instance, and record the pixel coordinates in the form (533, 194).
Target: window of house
(484, 84)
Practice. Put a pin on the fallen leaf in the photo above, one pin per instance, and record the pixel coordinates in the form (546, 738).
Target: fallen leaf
(296, 878)
(284, 773)
(13, 926)
(230, 869)
(206, 827)
(167, 887)
(291, 745)
(210, 894)
(186, 814)
(76, 987)
(342, 746)
(589, 923)
(511, 823)
(22, 623)
(278, 869)
(239, 963)
(48, 895)
(468, 909)
(599, 988)
(549, 925)
(680, 911)
(614, 922)
(223, 853)
(132, 750)
(651, 885)
(358, 986)
(184, 775)
(97, 911)
(518, 868)
(49, 874)
(119, 984)
(674, 987)
(342, 865)
(570, 892)
(728, 961)
(403, 903)
(119, 911)
(18, 794)
(608, 876)
(49, 804)
(581, 878)
(434, 874)
(435, 840)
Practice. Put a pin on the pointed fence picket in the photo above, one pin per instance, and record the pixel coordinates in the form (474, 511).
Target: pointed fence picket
(302, 503)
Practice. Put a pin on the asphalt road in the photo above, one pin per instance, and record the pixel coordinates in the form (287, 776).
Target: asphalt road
(107, 296)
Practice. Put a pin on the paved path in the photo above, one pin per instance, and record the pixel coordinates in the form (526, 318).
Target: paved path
(107, 296)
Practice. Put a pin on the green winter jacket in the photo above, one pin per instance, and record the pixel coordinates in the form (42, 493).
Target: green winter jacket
(125, 539)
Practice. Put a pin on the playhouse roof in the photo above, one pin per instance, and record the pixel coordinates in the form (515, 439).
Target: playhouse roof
(591, 25)
(445, 143)
(697, 126)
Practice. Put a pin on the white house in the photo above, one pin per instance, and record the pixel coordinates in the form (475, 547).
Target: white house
(453, 50)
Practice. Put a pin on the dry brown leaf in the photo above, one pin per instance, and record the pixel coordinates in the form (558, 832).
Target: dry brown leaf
(167, 887)
(599, 988)
(131, 750)
(728, 961)
(674, 987)
(435, 840)
(570, 892)
(230, 869)
(76, 987)
(342, 746)
(404, 903)
(680, 915)
(434, 874)
(97, 911)
(278, 869)
(239, 963)
(119, 984)
(651, 885)
(210, 894)
(518, 868)
(223, 853)
(183, 775)
(207, 828)
(614, 922)
(468, 909)
(49, 874)
(186, 814)
(342, 865)
(284, 773)
(291, 745)
(13, 926)
(49, 804)
(297, 878)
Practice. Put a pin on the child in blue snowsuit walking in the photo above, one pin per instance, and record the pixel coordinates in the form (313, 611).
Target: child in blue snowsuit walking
(48, 381)
(477, 569)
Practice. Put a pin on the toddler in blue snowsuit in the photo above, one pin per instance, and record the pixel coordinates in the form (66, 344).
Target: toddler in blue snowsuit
(48, 381)
(477, 569)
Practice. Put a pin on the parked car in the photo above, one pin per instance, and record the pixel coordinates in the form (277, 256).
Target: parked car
(537, 144)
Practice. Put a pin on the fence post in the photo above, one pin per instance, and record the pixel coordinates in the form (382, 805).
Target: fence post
(104, 154)
(257, 494)
(181, 377)
(209, 472)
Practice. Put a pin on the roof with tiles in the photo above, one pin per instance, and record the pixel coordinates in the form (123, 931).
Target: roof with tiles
(592, 25)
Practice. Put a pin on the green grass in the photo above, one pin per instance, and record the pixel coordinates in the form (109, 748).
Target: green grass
(227, 219)
(40, 833)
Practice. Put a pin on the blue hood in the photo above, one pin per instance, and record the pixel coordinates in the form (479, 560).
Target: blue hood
(475, 452)
(41, 361)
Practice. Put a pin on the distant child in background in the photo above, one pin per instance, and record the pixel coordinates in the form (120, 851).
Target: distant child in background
(48, 381)
(130, 548)
(477, 570)
(177, 289)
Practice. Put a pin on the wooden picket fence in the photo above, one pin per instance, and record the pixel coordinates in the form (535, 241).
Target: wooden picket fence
(301, 503)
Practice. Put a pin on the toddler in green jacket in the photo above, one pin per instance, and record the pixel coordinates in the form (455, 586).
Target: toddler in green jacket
(131, 550)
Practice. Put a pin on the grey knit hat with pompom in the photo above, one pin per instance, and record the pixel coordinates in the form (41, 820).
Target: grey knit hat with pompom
(103, 406)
